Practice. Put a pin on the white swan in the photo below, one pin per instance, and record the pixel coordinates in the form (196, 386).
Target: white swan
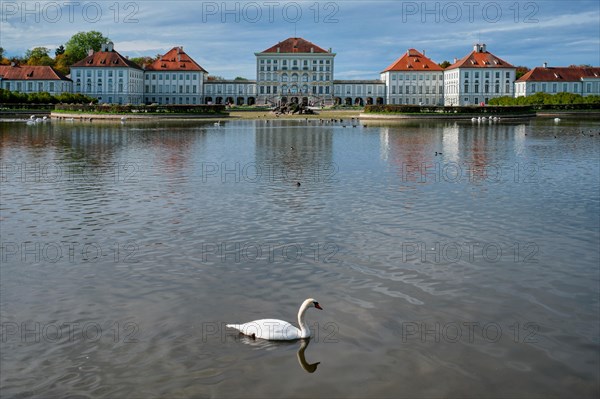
(278, 330)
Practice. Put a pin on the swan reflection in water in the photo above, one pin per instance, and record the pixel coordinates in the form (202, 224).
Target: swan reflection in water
(272, 345)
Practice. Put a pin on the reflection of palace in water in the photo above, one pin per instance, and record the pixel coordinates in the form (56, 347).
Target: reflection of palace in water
(301, 151)
(452, 152)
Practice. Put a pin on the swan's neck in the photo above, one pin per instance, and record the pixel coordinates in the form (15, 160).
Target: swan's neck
(305, 331)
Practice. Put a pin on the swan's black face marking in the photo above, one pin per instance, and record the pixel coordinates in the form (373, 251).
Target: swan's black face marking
(317, 305)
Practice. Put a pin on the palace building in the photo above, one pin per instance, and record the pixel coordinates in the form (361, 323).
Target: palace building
(414, 79)
(34, 79)
(298, 71)
(578, 80)
(174, 78)
(478, 77)
(295, 70)
(109, 77)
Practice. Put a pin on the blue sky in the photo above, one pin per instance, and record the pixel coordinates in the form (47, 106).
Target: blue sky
(367, 36)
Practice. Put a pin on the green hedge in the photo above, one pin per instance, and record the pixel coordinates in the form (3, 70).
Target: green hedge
(142, 109)
(475, 109)
(548, 99)
(27, 106)
(15, 97)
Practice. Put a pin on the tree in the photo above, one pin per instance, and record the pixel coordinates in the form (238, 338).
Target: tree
(445, 64)
(61, 65)
(521, 70)
(38, 56)
(78, 45)
(141, 61)
(59, 50)
(239, 78)
(3, 61)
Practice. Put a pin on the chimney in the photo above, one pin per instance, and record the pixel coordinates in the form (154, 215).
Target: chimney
(483, 48)
(330, 49)
(545, 65)
(423, 51)
(278, 49)
(90, 52)
(312, 49)
(110, 46)
(455, 59)
(12, 64)
(476, 48)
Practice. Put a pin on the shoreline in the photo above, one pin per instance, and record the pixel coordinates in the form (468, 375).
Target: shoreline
(267, 115)
(443, 116)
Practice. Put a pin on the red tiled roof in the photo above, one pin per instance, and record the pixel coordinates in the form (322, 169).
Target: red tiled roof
(413, 60)
(295, 45)
(175, 60)
(560, 74)
(106, 59)
(30, 72)
(483, 59)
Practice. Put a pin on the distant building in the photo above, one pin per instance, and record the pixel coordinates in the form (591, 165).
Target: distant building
(552, 80)
(359, 92)
(109, 77)
(414, 79)
(175, 78)
(34, 79)
(295, 70)
(236, 92)
(478, 77)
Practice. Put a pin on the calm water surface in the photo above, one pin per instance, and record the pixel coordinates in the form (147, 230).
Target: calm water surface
(470, 273)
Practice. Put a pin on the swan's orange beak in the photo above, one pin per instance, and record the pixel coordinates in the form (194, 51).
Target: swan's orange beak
(318, 306)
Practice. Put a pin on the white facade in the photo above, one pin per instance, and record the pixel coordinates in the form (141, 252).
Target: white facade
(414, 88)
(54, 87)
(237, 92)
(477, 78)
(183, 88)
(359, 92)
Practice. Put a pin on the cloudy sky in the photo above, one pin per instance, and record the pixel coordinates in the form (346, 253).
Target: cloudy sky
(367, 35)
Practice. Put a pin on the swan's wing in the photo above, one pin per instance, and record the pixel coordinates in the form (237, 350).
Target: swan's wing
(272, 329)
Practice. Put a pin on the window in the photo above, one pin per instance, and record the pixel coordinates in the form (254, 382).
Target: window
(466, 88)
